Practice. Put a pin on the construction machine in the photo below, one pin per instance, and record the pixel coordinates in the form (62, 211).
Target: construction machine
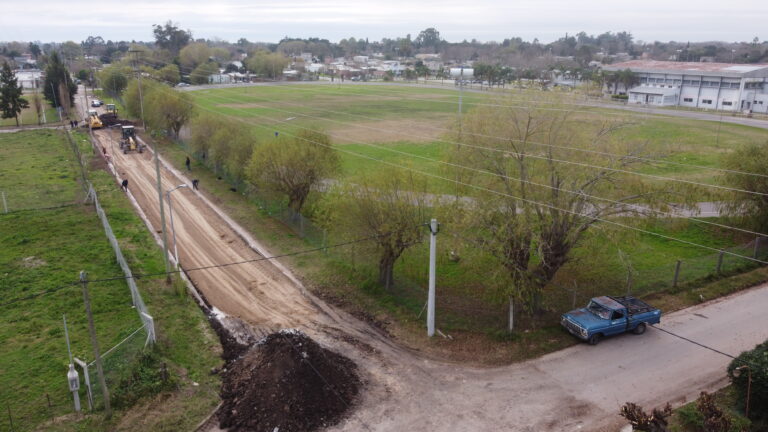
(128, 142)
(93, 120)
(111, 109)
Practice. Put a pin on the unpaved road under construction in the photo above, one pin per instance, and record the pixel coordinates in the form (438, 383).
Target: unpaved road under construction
(580, 388)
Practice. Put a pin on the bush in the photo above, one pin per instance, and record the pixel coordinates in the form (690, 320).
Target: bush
(757, 362)
(619, 97)
(147, 377)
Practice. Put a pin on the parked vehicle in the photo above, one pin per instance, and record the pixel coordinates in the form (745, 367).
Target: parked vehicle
(96, 103)
(608, 316)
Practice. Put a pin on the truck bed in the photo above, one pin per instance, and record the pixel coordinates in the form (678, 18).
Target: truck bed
(634, 306)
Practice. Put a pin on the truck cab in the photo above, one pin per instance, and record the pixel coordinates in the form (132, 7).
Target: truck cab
(608, 316)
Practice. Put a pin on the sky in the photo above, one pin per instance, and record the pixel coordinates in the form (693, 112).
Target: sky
(484, 20)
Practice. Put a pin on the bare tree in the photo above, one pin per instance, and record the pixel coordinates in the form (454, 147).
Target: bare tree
(390, 205)
(532, 209)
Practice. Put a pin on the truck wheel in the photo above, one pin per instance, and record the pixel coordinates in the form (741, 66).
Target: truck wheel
(640, 329)
(594, 339)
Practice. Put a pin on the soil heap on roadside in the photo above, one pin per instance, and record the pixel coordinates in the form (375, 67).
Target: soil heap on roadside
(287, 383)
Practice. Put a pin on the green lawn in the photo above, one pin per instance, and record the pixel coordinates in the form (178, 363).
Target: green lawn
(28, 116)
(46, 249)
(399, 123)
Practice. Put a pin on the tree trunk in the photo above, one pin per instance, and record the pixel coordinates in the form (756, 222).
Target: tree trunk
(511, 324)
(386, 270)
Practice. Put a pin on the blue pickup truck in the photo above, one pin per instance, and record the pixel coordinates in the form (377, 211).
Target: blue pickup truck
(608, 316)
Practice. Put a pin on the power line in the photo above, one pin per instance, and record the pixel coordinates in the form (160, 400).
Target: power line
(715, 350)
(488, 190)
(641, 208)
(214, 266)
(501, 193)
(646, 159)
(516, 153)
(640, 158)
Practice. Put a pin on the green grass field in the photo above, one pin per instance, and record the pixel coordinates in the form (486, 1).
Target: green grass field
(44, 250)
(405, 124)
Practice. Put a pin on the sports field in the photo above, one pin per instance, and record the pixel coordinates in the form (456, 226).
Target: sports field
(412, 124)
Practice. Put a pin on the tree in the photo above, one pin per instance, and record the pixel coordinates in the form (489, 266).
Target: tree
(56, 74)
(11, 100)
(627, 78)
(201, 73)
(749, 210)
(34, 49)
(171, 37)
(294, 166)
(267, 64)
(169, 74)
(227, 143)
(713, 418)
(390, 205)
(532, 211)
(37, 104)
(429, 38)
(167, 109)
(114, 79)
(194, 54)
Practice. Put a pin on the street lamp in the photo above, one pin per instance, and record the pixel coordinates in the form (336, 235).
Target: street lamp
(749, 385)
(173, 230)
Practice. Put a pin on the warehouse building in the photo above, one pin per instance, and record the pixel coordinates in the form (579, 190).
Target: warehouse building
(719, 86)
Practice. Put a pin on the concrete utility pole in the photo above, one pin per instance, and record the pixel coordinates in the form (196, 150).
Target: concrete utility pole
(157, 174)
(433, 229)
(96, 350)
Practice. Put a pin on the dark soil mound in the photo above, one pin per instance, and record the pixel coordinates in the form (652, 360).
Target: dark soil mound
(109, 119)
(287, 383)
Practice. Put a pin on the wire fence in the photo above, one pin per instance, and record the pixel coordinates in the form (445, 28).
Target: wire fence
(477, 308)
(138, 302)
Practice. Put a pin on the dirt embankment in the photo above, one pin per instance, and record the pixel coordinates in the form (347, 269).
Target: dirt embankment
(287, 383)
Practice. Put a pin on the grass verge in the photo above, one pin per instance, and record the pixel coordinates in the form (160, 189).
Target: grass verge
(46, 249)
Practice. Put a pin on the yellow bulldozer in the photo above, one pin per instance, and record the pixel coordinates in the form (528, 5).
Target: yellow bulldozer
(93, 120)
(128, 142)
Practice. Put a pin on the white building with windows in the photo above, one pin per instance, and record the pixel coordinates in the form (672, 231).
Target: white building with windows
(719, 86)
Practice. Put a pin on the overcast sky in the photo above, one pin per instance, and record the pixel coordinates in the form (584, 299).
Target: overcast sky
(485, 20)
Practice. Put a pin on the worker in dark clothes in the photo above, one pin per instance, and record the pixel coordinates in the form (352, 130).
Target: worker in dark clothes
(124, 185)
(194, 184)
(188, 164)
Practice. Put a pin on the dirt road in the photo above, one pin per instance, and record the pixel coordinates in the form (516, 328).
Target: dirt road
(580, 388)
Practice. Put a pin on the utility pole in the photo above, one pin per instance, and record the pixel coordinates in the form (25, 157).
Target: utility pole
(433, 229)
(95, 343)
(157, 174)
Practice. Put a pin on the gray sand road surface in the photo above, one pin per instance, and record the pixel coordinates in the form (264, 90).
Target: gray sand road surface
(580, 388)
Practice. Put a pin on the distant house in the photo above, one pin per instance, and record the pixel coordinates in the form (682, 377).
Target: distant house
(315, 67)
(719, 86)
(220, 78)
(30, 78)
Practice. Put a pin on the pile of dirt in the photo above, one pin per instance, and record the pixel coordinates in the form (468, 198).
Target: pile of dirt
(109, 119)
(287, 383)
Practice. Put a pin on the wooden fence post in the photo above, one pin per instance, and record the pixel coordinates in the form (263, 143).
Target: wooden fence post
(677, 273)
(720, 261)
